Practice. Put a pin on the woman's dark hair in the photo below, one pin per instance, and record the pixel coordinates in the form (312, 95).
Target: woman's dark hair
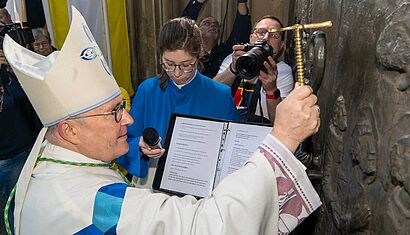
(179, 34)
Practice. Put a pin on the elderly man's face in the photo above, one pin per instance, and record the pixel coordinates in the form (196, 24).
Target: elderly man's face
(42, 46)
(209, 28)
(101, 137)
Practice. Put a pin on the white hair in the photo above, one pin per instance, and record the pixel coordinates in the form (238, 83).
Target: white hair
(38, 32)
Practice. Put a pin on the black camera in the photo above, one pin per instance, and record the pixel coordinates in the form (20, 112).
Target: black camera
(249, 64)
(18, 34)
(22, 36)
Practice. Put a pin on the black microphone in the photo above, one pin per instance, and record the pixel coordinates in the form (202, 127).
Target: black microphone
(151, 137)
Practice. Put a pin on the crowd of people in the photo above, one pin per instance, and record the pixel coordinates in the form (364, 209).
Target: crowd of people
(71, 151)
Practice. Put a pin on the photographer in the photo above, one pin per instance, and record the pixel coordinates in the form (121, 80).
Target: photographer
(19, 125)
(256, 98)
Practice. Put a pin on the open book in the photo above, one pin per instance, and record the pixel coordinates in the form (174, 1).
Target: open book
(201, 152)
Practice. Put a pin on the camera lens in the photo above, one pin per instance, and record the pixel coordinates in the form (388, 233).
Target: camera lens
(249, 64)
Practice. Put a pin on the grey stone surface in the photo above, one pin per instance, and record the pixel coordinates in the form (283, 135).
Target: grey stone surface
(364, 140)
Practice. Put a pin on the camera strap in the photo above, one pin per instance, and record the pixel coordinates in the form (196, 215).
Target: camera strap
(255, 99)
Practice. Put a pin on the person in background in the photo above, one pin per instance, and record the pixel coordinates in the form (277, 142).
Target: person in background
(213, 52)
(42, 42)
(72, 186)
(19, 126)
(5, 17)
(181, 88)
(257, 98)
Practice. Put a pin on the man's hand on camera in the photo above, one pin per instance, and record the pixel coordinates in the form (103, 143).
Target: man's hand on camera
(237, 51)
(269, 79)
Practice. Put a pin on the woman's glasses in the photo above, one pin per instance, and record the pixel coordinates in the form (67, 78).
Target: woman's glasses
(171, 67)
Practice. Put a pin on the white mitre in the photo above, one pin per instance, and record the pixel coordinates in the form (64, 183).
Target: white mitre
(59, 86)
(66, 83)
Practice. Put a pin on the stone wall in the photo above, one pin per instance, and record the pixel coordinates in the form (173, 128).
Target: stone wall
(364, 139)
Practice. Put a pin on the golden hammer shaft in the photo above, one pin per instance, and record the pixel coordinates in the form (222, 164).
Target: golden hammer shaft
(298, 44)
(325, 24)
(300, 70)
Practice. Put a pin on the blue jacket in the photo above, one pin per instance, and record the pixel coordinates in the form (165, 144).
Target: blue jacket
(153, 107)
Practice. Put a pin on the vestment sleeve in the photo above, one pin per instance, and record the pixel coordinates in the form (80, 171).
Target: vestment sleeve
(297, 197)
(245, 202)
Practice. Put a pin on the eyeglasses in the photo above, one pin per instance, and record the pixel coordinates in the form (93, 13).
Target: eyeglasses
(43, 44)
(117, 112)
(170, 67)
(261, 32)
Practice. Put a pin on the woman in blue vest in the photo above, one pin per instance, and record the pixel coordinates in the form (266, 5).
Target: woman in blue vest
(180, 88)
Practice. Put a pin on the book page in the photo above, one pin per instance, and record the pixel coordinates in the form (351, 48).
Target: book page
(192, 156)
(242, 141)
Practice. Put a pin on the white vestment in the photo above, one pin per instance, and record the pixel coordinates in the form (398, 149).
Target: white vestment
(66, 199)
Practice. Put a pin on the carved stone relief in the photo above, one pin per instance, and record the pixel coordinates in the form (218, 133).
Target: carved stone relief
(364, 140)
(363, 144)
(332, 170)
(398, 206)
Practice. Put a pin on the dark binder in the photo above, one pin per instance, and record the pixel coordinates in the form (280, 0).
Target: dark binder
(199, 152)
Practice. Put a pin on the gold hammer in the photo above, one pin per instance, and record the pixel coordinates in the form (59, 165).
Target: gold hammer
(298, 44)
